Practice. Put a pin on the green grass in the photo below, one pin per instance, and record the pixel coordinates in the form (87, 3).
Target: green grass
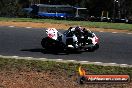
(119, 26)
(16, 65)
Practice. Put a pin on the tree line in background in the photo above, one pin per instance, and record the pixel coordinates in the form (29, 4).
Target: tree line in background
(11, 8)
(117, 8)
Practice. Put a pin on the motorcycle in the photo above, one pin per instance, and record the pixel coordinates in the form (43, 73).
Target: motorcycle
(73, 39)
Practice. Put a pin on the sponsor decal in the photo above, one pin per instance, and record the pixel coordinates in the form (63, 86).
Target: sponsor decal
(92, 78)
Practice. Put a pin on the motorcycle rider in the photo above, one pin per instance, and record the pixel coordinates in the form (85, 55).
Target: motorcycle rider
(82, 35)
(77, 35)
(71, 32)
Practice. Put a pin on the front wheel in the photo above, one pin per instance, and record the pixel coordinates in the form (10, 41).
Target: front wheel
(53, 46)
(47, 43)
(96, 46)
(43, 42)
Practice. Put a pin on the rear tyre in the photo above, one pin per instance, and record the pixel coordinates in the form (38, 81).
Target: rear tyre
(89, 49)
(92, 48)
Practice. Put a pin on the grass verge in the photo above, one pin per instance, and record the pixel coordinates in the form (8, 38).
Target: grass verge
(16, 73)
(105, 25)
(70, 68)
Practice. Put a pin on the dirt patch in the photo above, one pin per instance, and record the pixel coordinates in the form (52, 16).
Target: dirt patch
(52, 25)
(33, 79)
(34, 25)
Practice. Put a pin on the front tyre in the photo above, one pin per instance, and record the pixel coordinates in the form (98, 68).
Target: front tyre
(46, 43)
(43, 42)
(96, 46)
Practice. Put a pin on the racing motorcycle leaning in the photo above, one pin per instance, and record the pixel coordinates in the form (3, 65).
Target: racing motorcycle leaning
(75, 38)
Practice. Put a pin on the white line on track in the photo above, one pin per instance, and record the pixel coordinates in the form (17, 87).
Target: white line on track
(59, 59)
(97, 62)
(29, 57)
(114, 32)
(28, 27)
(42, 58)
(129, 33)
(11, 26)
(123, 64)
(15, 56)
(101, 31)
(84, 61)
(71, 60)
(112, 63)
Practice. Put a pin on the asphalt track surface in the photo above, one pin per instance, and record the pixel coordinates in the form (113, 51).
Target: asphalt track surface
(114, 48)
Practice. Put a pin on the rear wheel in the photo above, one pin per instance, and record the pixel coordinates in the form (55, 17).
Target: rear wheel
(89, 49)
(92, 48)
